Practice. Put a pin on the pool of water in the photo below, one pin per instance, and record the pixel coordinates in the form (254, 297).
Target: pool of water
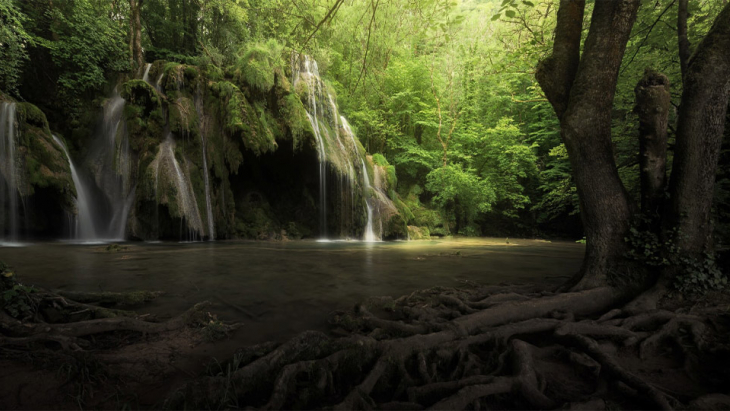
(277, 289)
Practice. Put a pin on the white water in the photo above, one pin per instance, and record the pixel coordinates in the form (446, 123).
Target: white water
(84, 229)
(369, 234)
(312, 80)
(323, 116)
(146, 76)
(8, 175)
(116, 183)
(206, 177)
(167, 166)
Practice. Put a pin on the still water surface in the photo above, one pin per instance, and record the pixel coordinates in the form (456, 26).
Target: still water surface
(278, 289)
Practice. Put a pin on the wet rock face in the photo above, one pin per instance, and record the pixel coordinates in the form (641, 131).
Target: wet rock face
(36, 189)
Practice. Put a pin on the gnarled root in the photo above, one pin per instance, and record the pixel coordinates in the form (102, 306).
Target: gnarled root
(437, 349)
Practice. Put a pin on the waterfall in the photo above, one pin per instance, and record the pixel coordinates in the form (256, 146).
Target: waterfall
(369, 234)
(146, 76)
(168, 170)
(84, 227)
(9, 172)
(119, 191)
(330, 129)
(206, 177)
(110, 161)
(311, 77)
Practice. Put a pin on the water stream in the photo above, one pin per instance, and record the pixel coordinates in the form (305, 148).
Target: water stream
(85, 229)
(327, 124)
(9, 175)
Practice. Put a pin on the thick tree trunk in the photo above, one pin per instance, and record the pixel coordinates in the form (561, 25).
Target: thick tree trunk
(652, 106)
(586, 130)
(699, 137)
(700, 129)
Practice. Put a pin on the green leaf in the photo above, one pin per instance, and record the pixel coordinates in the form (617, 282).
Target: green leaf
(528, 3)
(510, 13)
(496, 16)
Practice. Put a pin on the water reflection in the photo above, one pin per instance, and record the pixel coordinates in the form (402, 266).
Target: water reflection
(280, 288)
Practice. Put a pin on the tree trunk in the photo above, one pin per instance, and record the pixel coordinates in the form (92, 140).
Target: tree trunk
(699, 137)
(652, 106)
(586, 128)
(135, 34)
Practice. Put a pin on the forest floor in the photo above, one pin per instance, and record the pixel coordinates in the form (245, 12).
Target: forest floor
(475, 347)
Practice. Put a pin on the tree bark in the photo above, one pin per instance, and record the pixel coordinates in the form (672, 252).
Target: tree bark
(135, 35)
(557, 72)
(586, 127)
(699, 136)
(653, 102)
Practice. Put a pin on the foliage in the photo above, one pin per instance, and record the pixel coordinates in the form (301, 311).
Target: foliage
(84, 47)
(258, 63)
(696, 275)
(700, 275)
(460, 190)
(14, 41)
(16, 299)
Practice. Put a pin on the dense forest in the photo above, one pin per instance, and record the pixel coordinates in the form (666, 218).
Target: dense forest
(601, 122)
(444, 91)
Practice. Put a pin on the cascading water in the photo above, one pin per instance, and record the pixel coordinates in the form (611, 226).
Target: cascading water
(314, 85)
(113, 169)
(206, 178)
(329, 129)
(169, 171)
(146, 76)
(9, 198)
(369, 235)
(84, 227)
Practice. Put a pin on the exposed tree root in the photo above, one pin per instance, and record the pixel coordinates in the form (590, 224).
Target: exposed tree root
(442, 348)
(435, 349)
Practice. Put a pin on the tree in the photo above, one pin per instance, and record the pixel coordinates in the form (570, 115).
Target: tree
(582, 100)
(581, 89)
(13, 43)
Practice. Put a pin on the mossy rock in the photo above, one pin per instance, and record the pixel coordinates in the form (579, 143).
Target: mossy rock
(30, 114)
(141, 94)
(395, 227)
(418, 233)
(44, 163)
(295, 117)
(182, 116)
(257, 65)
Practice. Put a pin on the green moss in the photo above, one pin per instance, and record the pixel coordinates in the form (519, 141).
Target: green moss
(257, 64)
(182, 116)
(380, 160)
(418, 233)
(295, 117)
(32, 115)
(301, 89)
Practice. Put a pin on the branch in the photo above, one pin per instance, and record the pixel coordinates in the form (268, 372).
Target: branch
(330, 15)
(556, 73)
(651, 27)
(367, 46)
